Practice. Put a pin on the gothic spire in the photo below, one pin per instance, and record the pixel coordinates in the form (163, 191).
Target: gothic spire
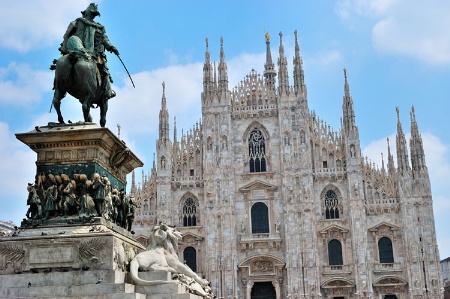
(174, 129)
(283, 78)
(402, 151)
(223, 71)
(390, 165)
(416, 145)
(347, 108)
(163, 117)
(207, 74)
(299, 77)
(269, 67)
(133, 182)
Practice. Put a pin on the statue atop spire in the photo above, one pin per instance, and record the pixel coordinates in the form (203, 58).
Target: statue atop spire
(269, 67)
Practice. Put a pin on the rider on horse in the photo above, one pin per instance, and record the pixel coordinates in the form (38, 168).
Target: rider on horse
(95, 41)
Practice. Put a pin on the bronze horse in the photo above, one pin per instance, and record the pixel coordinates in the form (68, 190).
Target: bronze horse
(77, 73)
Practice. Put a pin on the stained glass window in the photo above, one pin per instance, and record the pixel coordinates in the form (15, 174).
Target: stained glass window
(331, 205)
(257, 151)
(189, 213)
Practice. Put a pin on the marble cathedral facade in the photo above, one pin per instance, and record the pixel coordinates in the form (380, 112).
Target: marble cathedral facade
(273, 203)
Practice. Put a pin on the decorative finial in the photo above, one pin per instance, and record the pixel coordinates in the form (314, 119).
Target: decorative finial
(398, 112)
(118, 131)
(281, 36)
(345, 73)
(267, 37)
(164, 86)
(206, 40)
(221, 41)
(295, 33)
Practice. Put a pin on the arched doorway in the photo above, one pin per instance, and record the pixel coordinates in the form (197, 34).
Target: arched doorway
(263, 290)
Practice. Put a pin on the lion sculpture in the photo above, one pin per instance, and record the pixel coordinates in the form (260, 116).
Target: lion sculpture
(161, 254)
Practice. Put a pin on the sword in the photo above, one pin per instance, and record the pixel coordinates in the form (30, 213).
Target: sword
(126, 69)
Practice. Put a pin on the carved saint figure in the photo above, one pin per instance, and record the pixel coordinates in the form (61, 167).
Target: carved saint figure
(50, 192)
(98, 186)
(33, 200)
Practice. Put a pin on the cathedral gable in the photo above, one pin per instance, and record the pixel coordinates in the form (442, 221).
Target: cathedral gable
(258, 190)
(334, 232)
(191, 238)
(383, 228)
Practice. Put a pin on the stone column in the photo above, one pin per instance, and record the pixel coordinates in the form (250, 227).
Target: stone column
(249, 289)
(277, 289)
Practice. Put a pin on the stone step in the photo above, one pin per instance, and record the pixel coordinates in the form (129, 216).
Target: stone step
(104, 296)
(55, 278)
(174, 296)
(165, 288)
(74, 290)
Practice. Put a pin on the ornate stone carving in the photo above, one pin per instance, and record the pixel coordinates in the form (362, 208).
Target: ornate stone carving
(262, 266)
(13, 254)
(91, 247)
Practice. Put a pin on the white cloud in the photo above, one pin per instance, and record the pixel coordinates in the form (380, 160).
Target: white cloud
(21, 85)
(345, 8)
(38, 26)
(17, 170)
(406, 27)
(139, 107)
(325, 59)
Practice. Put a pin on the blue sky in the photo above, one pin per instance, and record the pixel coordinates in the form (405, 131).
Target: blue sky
(396, 52)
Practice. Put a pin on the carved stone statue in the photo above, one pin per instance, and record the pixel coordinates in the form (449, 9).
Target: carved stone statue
(33, 200)
(99, 194)
(108, 208)
(130, 206)
(50, 196)
(161, 254)
(68, 197)
(82, 70)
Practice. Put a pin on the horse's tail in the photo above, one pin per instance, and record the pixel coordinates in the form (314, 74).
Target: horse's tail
(134, 268)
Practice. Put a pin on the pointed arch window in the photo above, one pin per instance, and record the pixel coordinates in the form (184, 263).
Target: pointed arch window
(335, 253)
(189, 212)
(385, 251)
(260, 218)
(331, 205)
(257, 151)
(190, 258)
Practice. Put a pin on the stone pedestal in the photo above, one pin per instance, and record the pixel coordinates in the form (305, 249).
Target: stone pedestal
(79, 256)
(78, 260)
(68, 261)
(81, 148)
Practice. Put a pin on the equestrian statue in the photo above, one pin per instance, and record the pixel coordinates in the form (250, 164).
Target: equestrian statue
(82, 69)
